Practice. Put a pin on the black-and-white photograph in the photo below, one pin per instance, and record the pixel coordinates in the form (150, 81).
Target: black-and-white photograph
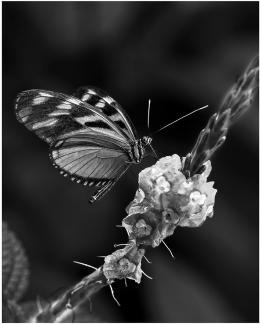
(130, 161)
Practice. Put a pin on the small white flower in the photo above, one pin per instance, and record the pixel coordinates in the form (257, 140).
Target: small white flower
(140, 195)
(209, 211)
(184, 187)
(163, 184)
(142, 229)
(171, 200)
(197, 198)
(126, 267)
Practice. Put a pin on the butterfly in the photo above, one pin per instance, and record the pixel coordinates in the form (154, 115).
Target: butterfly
(92, 139)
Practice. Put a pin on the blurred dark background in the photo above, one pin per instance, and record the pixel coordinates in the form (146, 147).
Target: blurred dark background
(182, 55)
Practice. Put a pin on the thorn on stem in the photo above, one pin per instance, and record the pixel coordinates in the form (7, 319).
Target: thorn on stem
(168, 249)
(147, 259)
(112, 293)
(146, 275)
(86, 265)
(121, 244)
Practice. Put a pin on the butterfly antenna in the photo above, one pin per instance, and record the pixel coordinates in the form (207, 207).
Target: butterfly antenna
(148, 117)
(157, 131)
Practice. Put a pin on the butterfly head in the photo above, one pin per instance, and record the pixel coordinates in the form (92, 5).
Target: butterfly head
(146, 140)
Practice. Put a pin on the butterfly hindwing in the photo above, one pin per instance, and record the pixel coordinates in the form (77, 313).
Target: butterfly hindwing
(90, 160)
(110, 107)
(51, 114)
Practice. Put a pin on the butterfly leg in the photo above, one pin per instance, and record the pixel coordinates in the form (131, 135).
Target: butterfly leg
(101, 192)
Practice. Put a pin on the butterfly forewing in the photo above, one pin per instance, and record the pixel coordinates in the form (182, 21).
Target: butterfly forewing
(110, 107)
(90, 142)
(51, 114)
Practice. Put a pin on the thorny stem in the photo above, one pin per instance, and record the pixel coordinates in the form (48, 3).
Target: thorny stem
(69, 301)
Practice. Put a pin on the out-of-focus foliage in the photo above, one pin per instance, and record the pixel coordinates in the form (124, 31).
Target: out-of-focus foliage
(14, 266)
(15, 275)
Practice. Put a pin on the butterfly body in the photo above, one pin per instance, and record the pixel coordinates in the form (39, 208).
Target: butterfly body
(91, 138)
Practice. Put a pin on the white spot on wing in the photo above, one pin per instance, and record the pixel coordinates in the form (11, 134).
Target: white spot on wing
(58, 113)
(45, 123)
(108, 99)
(91, 92)
(24, 119)
(25, 113)
(64, 105)
(100, 104)
(74, 101)
(45, 94)
(39, 100)
(86, 119)
(86, 97)
(116, 117)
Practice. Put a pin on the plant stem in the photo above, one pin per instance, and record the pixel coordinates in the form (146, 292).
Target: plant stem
(71, 299)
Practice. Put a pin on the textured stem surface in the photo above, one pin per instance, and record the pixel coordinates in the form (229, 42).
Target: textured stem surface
(69, 301)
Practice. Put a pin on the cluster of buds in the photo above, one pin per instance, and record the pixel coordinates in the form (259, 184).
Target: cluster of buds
(165, 199)
(124, 263)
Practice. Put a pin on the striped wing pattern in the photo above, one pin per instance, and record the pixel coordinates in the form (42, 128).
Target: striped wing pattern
(50, 114)
(102, 101)
(86, 144)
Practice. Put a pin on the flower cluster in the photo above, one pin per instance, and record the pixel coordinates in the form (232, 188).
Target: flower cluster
(167, 199)
(124, 263)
